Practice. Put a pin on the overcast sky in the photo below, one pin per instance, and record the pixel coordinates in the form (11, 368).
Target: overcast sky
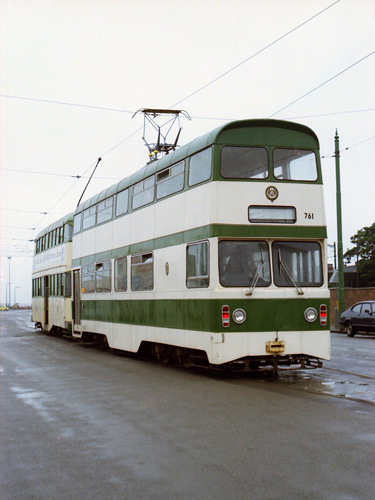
(105, 59)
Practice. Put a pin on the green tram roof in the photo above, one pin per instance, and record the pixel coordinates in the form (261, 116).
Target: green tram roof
(68, 219)
(236, 132)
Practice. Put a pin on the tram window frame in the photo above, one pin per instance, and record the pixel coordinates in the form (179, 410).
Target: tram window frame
(142, 272)
(68, 284)
(193, 279)
(77, 223)
(166, 179)
(122, 203)
(67, 233)
(239, 263)
(104, 210)
(88, 271)
(121, 274)
(200, 167)
(143, 193)
(286, 165)
(232, 160)
(103, 277)
(261, 214)
(89, 215)
(282, 280)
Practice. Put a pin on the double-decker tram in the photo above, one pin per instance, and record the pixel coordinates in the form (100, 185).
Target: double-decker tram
(51, 287)
(213, 255)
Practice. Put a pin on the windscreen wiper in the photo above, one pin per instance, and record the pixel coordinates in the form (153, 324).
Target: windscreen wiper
(283, 267)
(256, 275)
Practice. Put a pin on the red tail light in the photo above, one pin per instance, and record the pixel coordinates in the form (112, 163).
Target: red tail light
(225, 316)
(323, 314)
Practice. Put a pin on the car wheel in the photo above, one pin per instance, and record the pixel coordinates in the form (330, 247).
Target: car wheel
(350, 332)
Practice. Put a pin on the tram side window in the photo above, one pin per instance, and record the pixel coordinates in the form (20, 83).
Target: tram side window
(143, 193)
(67, 233)
(297, 262)
(103, 277)
(88, 279)
(77, 223)
(294, 165)
(197, 275)
(104, 210)
(122, 202)
(89, 217)
(244, 263)
(67, 284)
(200, 167)
(142, 272)
(170, 180)
(242, 162)
(121, 275)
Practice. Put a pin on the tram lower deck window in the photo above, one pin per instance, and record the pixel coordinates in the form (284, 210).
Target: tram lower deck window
(297, 262)
(142, 272)
(244, 263)
(197, 258)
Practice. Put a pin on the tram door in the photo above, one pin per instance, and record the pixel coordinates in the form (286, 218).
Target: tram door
(46, 295)
(77, 300)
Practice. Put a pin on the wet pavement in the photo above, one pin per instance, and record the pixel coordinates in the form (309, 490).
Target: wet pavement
(82, 422)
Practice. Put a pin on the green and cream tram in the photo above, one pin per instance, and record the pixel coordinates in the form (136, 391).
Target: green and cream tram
(51, 287)
(213, 255)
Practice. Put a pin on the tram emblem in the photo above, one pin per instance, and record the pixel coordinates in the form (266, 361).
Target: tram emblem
(272, 193)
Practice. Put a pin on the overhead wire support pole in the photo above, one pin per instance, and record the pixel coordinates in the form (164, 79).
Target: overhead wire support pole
(88, 182)
(340, 257)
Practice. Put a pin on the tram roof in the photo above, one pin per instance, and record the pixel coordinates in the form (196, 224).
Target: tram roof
(217, 136)
(68, 219)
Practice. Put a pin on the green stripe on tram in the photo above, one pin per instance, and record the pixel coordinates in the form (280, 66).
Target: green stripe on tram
(209, 231)
(205, 314)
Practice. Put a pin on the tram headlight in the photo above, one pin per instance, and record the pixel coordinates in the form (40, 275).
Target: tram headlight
(239, 316)
(310, 314)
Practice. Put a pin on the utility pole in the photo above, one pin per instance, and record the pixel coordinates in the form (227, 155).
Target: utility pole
(9, 258)
(340, 257)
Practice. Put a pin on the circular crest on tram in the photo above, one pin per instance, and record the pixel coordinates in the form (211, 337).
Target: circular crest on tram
(272, 193)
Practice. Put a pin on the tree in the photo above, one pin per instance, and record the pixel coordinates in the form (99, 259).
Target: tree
(364, 252)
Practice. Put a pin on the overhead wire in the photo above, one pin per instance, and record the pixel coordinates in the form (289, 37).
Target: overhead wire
(255, 54)
(321, 85)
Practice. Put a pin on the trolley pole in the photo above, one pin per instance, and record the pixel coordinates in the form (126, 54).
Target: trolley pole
(340, 257)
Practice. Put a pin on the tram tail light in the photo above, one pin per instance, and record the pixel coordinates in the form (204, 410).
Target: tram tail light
(225, 316)
(323, 314)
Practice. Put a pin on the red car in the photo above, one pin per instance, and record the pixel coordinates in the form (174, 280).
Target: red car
(359, 318)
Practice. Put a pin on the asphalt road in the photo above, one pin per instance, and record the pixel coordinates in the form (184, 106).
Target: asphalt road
(82, 423)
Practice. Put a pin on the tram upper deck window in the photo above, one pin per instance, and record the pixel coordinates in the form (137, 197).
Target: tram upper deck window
(294, 165)
(143, 192)
(242, 162)
(297, 263)
(200, 167)
(104, 210)
(244, 263)
(89, 217)
(67, 233)
(122, 202)
(170, 180)
(77, 223)
(197, 265)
